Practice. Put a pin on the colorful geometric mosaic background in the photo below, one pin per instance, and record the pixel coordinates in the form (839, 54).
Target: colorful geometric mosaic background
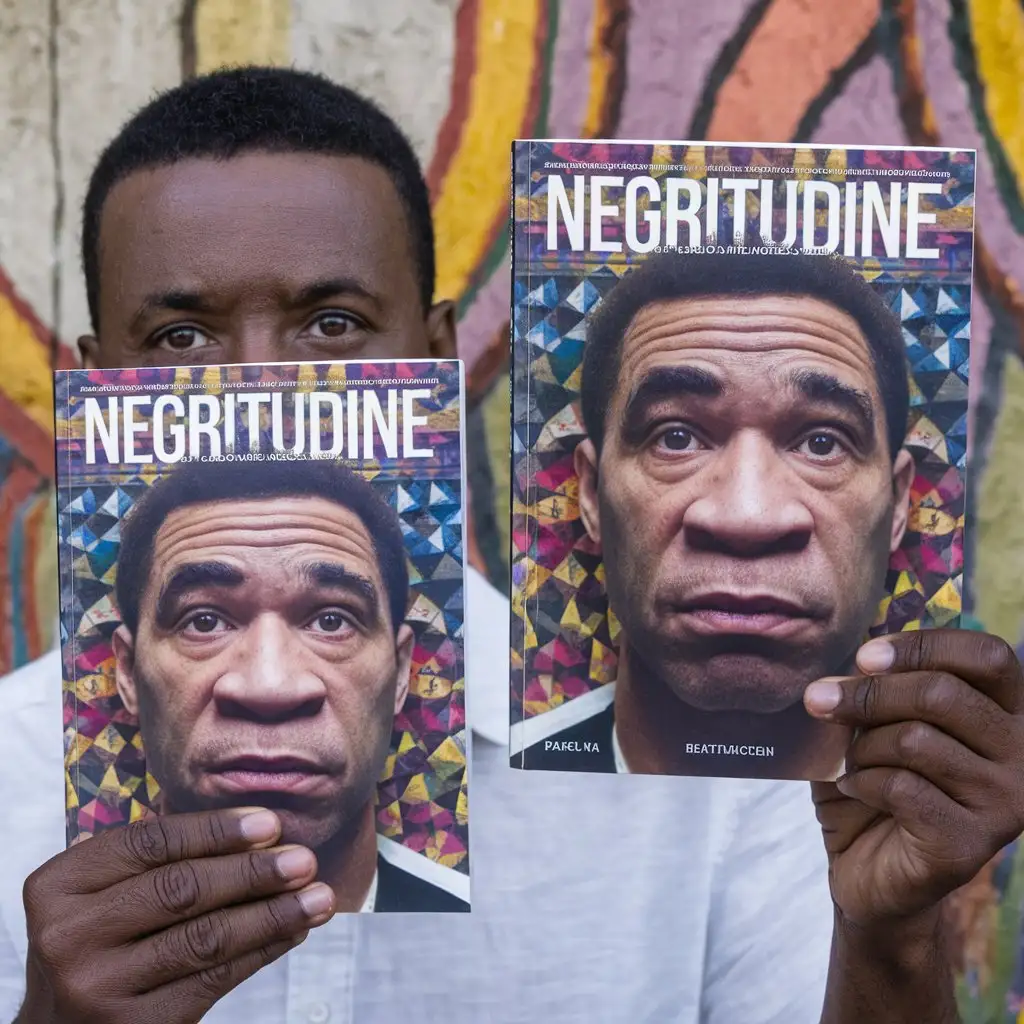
(422, 795)
(563, 638)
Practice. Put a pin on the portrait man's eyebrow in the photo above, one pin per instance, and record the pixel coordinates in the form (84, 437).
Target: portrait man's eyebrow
(827, 389)
(665, 383)
(193, 576)
(335, 576)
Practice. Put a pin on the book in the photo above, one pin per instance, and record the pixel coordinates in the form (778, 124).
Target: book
(740, 377)
(262, 604)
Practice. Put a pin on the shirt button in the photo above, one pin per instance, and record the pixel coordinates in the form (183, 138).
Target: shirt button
(319, 1012)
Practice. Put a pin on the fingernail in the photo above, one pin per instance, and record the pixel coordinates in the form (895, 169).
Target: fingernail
(823, 697)
(317, 900)
(876, 656)
(260, 826)
(295, 863)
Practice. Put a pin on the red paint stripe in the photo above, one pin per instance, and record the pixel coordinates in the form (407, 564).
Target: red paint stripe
(32, 442)
(464, 68)
(19, 485)
(66, 358)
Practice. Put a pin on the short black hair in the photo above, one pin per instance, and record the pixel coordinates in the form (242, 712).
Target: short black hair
(259, 109)
(667, 276)
(197, 483)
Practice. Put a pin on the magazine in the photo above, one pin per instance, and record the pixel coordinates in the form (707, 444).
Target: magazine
(739, 441)
(262, 604)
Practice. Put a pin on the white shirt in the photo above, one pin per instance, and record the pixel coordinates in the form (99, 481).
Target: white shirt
(596, 899)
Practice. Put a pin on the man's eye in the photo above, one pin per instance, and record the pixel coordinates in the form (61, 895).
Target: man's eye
(331, 621)
(821, 445)
(334, 325)
(679, 439)
(204, 624)
(183, 339)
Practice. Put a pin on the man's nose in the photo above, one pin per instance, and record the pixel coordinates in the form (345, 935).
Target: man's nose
(257, 344)
(750, 502)
(271, 680)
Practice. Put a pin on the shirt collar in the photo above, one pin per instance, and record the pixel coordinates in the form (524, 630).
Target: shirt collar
(370, 902)
(620, 761)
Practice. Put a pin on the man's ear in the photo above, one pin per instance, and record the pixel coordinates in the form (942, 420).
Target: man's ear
(441, 330)
(124, 670)
(403, 650)
(89, 350)
(585, 462)
(903, 470)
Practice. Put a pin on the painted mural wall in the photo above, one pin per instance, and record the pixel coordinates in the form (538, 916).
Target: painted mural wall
(464, 77)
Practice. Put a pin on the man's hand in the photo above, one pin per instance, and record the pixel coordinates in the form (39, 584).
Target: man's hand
(154, 922)
(934, 783)
(934, 788)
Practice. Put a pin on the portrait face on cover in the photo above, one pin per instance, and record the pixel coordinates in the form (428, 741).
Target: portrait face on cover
(745, 493)
(264, 650)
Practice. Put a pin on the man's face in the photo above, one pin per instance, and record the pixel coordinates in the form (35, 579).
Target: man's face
(265, 669)
(745, 498)
(263, 257)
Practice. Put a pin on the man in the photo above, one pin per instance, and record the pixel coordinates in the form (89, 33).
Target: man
(265, 653)
(745, 478)
(683, 901)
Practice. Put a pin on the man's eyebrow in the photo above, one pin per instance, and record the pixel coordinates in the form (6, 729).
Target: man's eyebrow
(176, 299)
(189, 577)
(329, 288)
(823, 388)
(665, 382)
(331, 574)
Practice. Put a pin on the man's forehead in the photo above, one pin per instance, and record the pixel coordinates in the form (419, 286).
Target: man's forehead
(182, 188)
(265, 531)
(746, 331)
(307, 207)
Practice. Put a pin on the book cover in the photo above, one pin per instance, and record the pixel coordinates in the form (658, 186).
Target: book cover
(740, 379)
(262, 604)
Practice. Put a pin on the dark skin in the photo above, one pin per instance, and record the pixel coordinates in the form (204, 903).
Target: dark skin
(179, 875)
(934, 788)
(259, 259)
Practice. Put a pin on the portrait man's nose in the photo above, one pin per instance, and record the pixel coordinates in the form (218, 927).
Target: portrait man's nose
(270, 678)
(749, 501)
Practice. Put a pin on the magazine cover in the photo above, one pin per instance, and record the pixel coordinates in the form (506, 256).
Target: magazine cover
(262, 604)
(739, 441)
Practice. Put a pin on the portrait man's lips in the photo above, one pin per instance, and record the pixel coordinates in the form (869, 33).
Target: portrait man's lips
(285, 773)
(722, 612)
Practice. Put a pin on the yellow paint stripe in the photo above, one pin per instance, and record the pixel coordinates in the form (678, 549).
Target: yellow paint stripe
(230, 32)
(601, 66)
(475, 188)
(27, 379)
(997, 28)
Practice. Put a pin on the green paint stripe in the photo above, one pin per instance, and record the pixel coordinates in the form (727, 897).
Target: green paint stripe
(967, 65)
